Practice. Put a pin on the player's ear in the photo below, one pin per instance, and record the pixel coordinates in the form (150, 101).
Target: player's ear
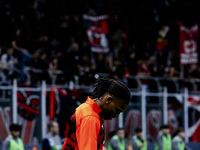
(109, 100)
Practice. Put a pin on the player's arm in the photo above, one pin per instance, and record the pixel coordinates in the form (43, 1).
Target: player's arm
(160, 142)
(135, 146)
(15, 46)
(175, 145)
(114, 144)
(6, 144)
(87, 133)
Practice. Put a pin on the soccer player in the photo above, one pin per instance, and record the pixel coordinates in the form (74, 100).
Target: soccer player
(86, 130)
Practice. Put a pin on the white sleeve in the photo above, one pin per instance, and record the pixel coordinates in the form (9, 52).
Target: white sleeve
(3, 59)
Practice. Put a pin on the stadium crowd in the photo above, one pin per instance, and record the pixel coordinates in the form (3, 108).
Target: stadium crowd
(49, 36)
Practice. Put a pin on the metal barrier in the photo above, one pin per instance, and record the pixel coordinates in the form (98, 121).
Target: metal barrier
(141, 92)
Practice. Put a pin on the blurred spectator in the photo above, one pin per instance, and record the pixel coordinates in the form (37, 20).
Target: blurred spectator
(43, 41)
(53, 48)
(43, 67)
(9, 63)
(13, 141)
(119, 39)
(61, 60)
(143, 69)
(193, 71)
(120, 72)
(100, 63)
(33, 63)
(62, 65)
(86, 71)
(164, 140)
(145, 44)
(160, 70)
(52, 141)
(18, 43)
(132, 62)
(23, 58)
(53, 69)
(8, 59)
(139, 142)
(2, 66)
(128, 141)
(110, 135)
(171, 72)
(53, 65)
(84, 64)
(117, 142)
(178, 141)
(115, 65)
(152, 65)
(73, 58)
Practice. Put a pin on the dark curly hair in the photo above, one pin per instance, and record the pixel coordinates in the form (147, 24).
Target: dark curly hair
(116, 88)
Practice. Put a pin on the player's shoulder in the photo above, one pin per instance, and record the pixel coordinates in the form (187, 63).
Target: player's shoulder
(84, 107)
(8, 139)
(85, 110)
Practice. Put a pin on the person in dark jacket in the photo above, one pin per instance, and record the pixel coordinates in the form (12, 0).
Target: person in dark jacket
(52, 141)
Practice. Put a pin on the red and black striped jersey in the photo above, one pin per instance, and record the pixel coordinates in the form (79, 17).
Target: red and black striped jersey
(86, 128)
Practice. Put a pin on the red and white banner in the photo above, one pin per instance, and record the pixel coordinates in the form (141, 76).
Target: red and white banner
(188, 44)
(194, 130)
(97, 30)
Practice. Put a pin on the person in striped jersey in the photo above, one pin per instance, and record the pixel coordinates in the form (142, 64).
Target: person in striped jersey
(86, 129)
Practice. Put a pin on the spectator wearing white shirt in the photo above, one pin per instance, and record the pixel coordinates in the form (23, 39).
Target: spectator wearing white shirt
(8, 61)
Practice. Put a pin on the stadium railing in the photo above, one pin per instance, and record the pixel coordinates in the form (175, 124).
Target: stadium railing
(152, 87)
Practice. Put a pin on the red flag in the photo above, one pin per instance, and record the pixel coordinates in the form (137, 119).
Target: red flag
(194, 130)
(188, 44)
(97, 30)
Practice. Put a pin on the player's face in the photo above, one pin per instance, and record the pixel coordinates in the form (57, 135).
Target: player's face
(182, 134)
(139, 135)
(113, 108)
(15, 134)
(166, 131)
(55, 128)
(121, 134)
